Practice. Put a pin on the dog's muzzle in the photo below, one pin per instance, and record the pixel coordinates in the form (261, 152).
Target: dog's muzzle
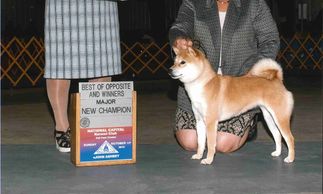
(172, 74)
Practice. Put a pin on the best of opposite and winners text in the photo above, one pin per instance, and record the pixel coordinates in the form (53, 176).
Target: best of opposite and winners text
(106, 97)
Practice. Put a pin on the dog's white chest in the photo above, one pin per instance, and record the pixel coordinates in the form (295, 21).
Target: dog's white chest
(197, 99)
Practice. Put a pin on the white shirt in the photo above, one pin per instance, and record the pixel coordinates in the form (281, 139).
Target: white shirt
(222, 18)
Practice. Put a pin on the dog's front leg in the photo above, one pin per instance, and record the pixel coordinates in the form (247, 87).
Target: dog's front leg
(211, 133)
(201, 138)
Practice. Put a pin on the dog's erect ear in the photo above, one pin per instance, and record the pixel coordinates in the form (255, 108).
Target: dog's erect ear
(175, 49)
(191, 51)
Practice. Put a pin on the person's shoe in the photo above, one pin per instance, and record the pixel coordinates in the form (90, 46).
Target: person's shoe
(63, 140)
(252, 134)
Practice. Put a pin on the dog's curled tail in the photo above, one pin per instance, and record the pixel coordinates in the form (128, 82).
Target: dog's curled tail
(267, 68)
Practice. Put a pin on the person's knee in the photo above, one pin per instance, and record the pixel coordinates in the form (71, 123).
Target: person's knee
(225, 147)
(187, 139)
(189, 146)
(227, 144)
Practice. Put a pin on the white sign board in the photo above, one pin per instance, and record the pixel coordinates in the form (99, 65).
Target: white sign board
(106, 129)
(105, 104)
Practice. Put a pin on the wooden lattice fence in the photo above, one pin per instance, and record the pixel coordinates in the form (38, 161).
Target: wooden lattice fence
(22, 61)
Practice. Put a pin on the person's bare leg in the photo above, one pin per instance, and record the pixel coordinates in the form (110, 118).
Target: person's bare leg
(58, 95)
(187, 138)
(101, 79)
(226, 142)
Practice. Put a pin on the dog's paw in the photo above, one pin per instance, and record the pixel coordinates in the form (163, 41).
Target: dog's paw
(288, 160)
(276, 153)
(207, 161)
(196, 156)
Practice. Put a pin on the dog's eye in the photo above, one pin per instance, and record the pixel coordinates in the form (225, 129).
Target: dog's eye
(182, 62)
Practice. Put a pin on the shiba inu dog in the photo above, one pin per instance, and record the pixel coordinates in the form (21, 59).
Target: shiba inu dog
(216, 98)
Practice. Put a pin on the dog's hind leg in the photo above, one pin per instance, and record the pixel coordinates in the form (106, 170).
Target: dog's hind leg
(279, 125)
(284, 123)
(274, 131)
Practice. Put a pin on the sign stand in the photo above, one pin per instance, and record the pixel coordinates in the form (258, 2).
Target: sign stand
(102, 145)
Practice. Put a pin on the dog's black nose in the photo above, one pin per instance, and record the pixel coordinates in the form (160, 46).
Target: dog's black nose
(171, 72)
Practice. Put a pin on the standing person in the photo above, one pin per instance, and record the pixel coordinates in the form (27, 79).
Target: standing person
(234, 35)
(81, 41)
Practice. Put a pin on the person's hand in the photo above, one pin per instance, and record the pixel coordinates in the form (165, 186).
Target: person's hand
(182, 43)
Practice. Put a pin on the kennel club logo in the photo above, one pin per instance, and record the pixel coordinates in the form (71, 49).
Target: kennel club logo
(85, 122)
(106, 121)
